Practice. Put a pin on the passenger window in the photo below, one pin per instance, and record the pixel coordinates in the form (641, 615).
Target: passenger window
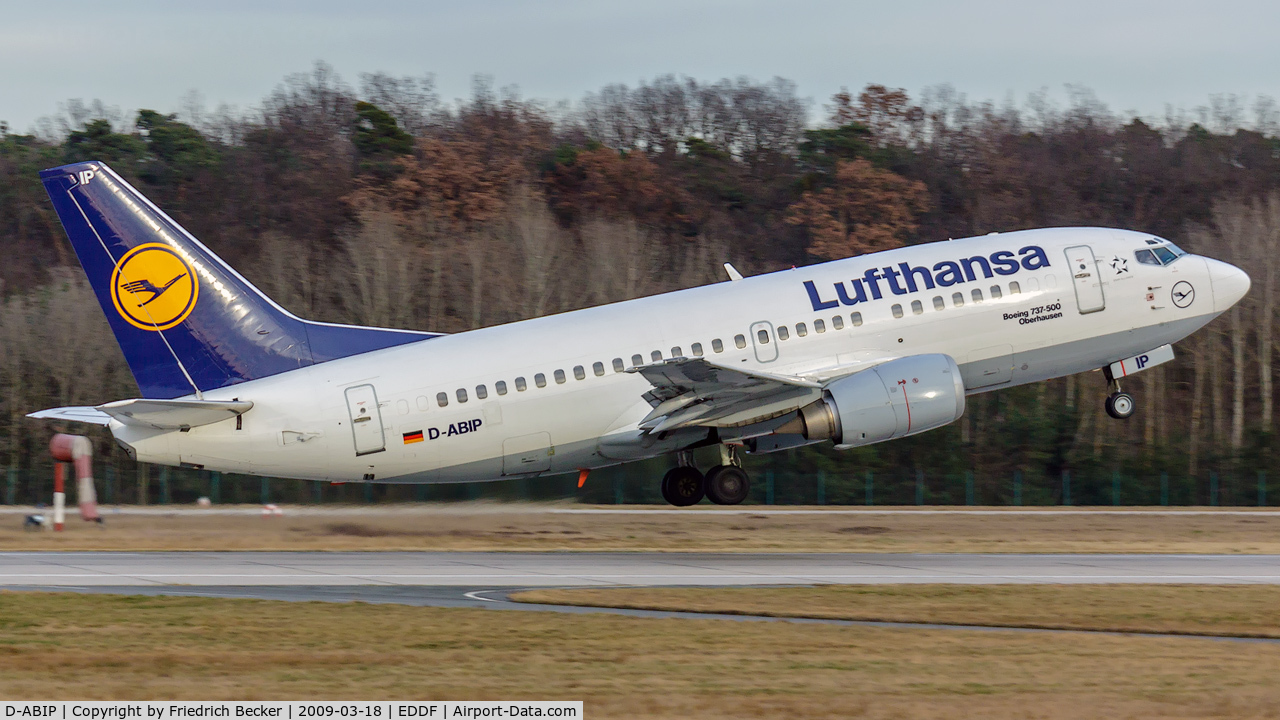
(938, 303)
(801, 331)
(442, 399)
(637, 360)
(1146, 257)
(559, 374)
(462, 395)
(1033, 284)
(783, 334)
(819, 326)
(618, 365)
(995, 292)
(580, 374)
(1015, 288)
(740, 341)
(501, 387)
(977, 295)
(697, 349)
(837, 322)
(897, 310)
(717, 346)
(598, 369)
(656, 355)
(402, 407)
(521, 385)
(762, 336)
(957, 299)
(482, 392)
(856, 319)
(675, 352)
(540, 380)
(916, 307)
(423, 403)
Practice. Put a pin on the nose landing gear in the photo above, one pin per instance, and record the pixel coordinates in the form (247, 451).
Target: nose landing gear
(1119, 405)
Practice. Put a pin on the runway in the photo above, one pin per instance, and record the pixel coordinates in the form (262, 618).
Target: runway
(584, 569)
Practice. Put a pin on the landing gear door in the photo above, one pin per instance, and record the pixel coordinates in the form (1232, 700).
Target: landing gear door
(366, 420)
(1086, 279)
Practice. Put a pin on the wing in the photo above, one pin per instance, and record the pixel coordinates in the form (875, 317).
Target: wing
(690, 392)
(694, 391)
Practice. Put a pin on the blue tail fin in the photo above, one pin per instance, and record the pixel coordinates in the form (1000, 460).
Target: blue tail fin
(185, 320)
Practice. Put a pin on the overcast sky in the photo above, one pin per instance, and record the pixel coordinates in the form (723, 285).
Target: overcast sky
(1136, 56)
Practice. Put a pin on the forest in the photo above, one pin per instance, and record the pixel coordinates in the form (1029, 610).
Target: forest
(380, 203)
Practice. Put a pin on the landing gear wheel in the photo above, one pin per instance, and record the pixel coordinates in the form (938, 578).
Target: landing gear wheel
(1120, 405)
(727, 485)
(682, 486)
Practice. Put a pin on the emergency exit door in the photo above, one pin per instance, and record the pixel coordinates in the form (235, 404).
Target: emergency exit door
(366, 420)
(1086, 279)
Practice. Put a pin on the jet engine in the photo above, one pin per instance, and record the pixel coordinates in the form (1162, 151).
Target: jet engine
(894, 399)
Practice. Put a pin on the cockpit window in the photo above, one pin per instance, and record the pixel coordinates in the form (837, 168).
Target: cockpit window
(1160, 254)
(1146, 257)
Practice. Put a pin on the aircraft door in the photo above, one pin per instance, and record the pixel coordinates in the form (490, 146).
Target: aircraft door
(366, 420)
(764, 341)
(1086, 278)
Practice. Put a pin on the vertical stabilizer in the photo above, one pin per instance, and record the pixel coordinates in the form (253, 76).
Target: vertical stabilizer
(185, 320)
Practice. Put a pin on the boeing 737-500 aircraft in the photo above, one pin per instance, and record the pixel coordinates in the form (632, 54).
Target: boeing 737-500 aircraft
(851, 352)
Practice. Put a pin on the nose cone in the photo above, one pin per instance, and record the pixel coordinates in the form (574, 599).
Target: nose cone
(1230, 283)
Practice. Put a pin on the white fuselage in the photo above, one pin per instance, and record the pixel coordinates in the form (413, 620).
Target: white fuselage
(301, 424)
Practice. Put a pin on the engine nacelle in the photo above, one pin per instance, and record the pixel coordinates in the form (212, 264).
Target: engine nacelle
(894, 399)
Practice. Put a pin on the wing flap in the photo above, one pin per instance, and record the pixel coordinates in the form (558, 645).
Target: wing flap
(696, 392)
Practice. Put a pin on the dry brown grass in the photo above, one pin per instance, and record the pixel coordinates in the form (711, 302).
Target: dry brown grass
(103, 647)
(484, 526)
(1240, 610)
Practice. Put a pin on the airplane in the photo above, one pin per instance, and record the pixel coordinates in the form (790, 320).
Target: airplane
(849, 352)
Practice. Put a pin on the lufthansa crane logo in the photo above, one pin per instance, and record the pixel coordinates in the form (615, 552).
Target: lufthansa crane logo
(153, 287)
(1183, 294)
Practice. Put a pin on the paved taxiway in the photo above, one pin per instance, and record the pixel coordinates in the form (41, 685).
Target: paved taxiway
(540, 569)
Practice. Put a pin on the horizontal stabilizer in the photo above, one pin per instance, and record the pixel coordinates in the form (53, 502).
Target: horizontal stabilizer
(158, 414)
(82, 414)
(174, 414)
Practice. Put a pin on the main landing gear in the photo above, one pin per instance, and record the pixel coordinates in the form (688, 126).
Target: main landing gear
(724, 484)
(1120, 405)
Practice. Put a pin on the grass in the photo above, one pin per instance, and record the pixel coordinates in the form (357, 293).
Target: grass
(1238, 610)
(59, 646)
(484, 526)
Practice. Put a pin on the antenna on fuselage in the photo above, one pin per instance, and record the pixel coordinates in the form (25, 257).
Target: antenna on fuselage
(734, 275)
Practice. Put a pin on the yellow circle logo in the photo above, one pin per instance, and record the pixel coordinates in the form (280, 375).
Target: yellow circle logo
(153, 287)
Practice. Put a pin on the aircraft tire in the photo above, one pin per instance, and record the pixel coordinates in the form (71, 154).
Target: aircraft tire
(1121, 405)
(683, 486)
(727, 485)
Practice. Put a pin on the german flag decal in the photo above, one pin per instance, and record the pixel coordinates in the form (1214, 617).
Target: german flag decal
(412, 437)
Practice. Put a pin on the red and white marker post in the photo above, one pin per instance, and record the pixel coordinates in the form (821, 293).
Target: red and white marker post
(78, 450)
